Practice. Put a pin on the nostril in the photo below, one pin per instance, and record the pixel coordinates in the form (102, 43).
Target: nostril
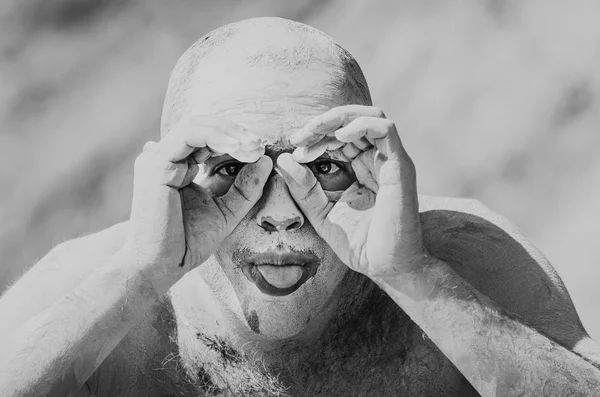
(274, 225)
(269, 227)
(294, 225)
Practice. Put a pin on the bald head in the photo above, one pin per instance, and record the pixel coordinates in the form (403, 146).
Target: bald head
(230, 67)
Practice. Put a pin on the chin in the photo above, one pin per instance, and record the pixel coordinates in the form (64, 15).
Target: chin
(285, 314)
(277, 315)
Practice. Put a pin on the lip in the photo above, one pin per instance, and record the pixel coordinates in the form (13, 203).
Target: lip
(308, 262)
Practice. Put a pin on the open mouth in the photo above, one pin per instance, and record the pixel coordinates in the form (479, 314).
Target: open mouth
(279, 273)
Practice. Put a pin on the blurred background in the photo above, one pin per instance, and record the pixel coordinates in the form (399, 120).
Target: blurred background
(496, 100)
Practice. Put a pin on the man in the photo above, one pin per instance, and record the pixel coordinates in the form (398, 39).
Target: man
(277, 246)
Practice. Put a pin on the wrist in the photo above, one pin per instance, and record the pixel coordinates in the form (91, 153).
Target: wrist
(402, 267)
(160, 274)
(418, 278)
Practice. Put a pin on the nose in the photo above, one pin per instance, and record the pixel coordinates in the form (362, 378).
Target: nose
(278, 211)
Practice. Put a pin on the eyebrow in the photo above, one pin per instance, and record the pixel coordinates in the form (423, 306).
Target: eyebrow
(274, 150)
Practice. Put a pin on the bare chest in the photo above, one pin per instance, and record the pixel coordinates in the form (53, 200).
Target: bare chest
(382, 353)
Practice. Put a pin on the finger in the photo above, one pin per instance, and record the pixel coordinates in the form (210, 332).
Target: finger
(201, 155)
(351, 151)
(245, 191)
(358, 197)
(248, 156)
(179, 144)
(397, 178)
(204, 131)
(314, 203)
(364, 143)
(330, 121)
(391, 146)
(306, 154)
(340, 155)
(363, 169)
(397, 209)
(149, 145)
(219, 143)
(367, 127)
(305, 189)
(396, 212)
(192, 171)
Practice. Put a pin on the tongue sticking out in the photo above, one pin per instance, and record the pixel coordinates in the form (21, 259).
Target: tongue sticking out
(281, 276)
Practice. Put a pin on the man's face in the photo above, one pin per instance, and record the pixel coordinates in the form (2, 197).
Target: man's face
(282, 273)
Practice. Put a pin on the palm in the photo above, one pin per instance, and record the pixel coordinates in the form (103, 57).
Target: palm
(346, 230)
(205, 223)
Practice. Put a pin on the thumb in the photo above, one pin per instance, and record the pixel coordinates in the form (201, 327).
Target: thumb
(305, 189)
(245, 191)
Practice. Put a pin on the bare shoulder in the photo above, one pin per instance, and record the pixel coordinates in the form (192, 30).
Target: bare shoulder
(104, 242)
(76, 253)
(58, 273)
(494, 256)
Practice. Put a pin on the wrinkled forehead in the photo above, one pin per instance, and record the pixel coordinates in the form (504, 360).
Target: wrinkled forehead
(271, 103)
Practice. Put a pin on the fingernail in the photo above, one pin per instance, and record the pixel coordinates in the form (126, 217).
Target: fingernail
(334, 144)
(201, 155)
(339, 155)
(306, 154)
(265, 164)
(248, 156)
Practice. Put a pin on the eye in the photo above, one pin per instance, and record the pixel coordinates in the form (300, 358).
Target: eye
(332, 175)
(229, 169)
(219, 172)
(325, 167)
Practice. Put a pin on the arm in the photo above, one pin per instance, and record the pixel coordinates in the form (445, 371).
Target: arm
(500, 356)
(68, 340)
(493, 256)
(56, 275)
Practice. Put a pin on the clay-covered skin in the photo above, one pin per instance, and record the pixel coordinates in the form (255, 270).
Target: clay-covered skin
(272, 102)
(222, 331)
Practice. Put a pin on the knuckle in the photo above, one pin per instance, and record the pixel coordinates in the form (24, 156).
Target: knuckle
(363, 122)
(378, 112)
(142, 160)
(187, 134)
(148, 145)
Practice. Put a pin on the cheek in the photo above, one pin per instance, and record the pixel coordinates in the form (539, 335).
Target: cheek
(330, 273)
(246, 236)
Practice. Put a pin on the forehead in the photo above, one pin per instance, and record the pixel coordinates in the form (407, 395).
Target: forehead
(269, 102)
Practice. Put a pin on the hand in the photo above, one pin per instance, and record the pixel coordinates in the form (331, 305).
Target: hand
(374, 227)
(175, 224)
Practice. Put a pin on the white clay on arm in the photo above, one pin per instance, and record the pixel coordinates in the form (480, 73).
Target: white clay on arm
(56, 275)
(59, 348)
(545, 303)
(498, 355)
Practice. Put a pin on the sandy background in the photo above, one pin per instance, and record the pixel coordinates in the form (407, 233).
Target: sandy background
(497, 100)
